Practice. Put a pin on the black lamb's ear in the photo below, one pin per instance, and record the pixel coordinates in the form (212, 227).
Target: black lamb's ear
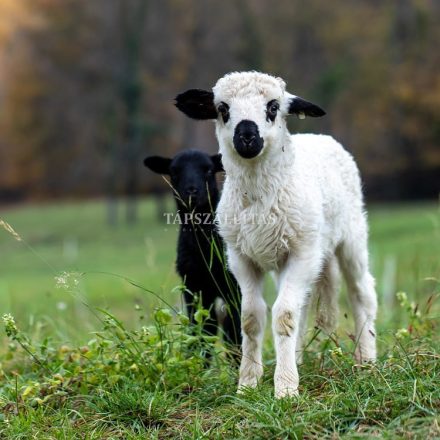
(303, 108)
(197, 104)
(158, 164)
(217, 160)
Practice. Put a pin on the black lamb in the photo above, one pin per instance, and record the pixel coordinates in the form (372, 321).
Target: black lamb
(200, 248)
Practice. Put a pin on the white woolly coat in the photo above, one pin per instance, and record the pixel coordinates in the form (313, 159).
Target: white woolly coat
(308, 192)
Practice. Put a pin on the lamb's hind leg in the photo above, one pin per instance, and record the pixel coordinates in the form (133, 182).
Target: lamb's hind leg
(302, 330)
(327, 292)
(326, 298)
(353, 259)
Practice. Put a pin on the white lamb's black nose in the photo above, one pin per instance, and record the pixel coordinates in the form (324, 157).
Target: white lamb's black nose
(247, 140)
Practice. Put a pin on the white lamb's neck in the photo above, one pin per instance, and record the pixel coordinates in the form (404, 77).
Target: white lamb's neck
(259, 180)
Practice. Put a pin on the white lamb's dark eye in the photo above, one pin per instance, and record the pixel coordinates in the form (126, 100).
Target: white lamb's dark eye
(272, 109)
(223, 109)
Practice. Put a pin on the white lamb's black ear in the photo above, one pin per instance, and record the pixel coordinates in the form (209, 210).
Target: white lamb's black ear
(197, 104)
(158, 164)
(217, 160)
(303, 108)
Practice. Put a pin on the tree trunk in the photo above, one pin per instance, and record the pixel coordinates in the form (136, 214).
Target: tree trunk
(132, 21)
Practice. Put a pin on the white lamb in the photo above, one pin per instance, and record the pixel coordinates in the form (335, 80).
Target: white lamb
(291, 204)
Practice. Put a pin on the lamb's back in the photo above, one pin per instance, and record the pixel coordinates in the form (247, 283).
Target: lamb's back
(324, 161)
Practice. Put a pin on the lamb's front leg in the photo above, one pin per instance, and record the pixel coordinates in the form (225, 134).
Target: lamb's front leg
(296, 280)
(253, 319)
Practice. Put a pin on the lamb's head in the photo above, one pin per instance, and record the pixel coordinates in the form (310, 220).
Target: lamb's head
(192, 174)
(249, 109)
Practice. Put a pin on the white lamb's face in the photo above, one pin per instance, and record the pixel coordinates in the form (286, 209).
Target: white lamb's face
(249, 109)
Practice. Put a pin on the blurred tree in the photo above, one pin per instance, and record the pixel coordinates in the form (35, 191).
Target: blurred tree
(49, 105)
(414, 123)
(251, 49)
(13, 16)
(132, 16)
(123, 121)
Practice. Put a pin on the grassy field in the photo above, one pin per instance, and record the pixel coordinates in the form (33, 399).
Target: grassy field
(59, 379)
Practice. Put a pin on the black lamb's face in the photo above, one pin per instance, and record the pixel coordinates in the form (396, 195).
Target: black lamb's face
(193, 178)
(192, 175)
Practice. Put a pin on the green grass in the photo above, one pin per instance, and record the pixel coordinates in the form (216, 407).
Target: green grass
(142, 376)
(74, 237)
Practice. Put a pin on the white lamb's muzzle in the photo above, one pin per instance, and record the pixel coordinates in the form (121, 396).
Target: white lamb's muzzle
(247, 140)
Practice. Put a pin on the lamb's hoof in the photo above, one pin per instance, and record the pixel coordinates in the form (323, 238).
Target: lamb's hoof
(242, 389)
(247, 384)
(281, 393)
(365, 357)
